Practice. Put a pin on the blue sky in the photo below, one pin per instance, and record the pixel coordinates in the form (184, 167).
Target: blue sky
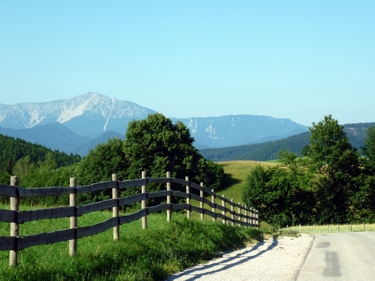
(286, 59)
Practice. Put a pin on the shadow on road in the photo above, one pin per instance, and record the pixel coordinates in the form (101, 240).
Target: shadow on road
(229, 262)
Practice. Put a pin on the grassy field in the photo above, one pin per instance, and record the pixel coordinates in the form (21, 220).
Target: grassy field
(236, 175)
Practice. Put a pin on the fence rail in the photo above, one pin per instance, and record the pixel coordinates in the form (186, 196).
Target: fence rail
(245, 217)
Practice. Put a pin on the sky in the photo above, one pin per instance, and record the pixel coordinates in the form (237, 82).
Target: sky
(300, 60)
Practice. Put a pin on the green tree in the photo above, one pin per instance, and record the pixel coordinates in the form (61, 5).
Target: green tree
(283, 193)
(368, 148)
(338, 163)
(156, 145)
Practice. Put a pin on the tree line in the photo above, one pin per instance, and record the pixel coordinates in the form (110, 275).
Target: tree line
(331, 183)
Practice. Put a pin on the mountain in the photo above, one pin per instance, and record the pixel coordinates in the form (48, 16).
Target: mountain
(232, 130)
(87, 115)
(78, 124)
(265, 151)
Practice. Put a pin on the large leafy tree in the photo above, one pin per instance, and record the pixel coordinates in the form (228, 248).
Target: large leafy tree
(338, 163)
(156, 145)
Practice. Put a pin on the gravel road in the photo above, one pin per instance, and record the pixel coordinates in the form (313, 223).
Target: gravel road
(272, 259)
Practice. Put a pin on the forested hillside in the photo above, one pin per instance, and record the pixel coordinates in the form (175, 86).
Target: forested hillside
(269, 150)
(13, 150)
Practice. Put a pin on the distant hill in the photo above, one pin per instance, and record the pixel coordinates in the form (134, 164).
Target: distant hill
(91, 144)
(13, 149)
(268, 150)
(56, 136)
(53, 135)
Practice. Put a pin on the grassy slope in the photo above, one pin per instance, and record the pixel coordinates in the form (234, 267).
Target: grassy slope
(150, 254)
(236, 175)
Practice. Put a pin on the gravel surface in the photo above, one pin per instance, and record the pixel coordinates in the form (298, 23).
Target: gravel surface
(273, 259)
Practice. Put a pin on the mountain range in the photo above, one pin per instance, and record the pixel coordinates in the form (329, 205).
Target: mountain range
(79, 124)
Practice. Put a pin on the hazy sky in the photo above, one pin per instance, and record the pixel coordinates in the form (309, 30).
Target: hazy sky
(286, 59)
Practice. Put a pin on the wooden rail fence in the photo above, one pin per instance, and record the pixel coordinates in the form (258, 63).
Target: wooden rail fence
(245, 217)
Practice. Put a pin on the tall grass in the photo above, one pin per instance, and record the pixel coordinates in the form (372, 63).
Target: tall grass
(151, 254)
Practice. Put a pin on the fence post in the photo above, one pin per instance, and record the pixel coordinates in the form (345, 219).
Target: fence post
(169, 201)
(239, 214)
(251, 215)
(14, 227)
(115, 210)
(232, 209)
(201, 203)
(73, 220)
(223, 212)
(245, 217)
(213, 208)
(144, 219)
(188, 212)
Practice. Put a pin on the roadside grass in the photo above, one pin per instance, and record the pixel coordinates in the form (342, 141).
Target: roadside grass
(151, 254)
(331, 228)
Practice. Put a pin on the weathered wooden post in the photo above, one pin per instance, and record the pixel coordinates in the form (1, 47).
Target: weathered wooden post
(188, 212)
(251, 215)
(232, 210)
(14, 227)
(115, 210)
(201, 203)
(213, 208)
(245, 218)
(169, 201)
(73, 220)
(144, 219)
(239, 214)
(223, 212)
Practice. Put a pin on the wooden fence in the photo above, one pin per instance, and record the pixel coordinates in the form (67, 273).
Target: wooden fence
(246, 217)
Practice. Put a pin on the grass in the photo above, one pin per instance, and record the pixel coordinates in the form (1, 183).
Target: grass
(151, 254)
(332, 228)
(235, 178)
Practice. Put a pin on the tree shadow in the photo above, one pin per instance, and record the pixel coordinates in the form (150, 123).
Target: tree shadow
(228, 181)
(228, 262)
